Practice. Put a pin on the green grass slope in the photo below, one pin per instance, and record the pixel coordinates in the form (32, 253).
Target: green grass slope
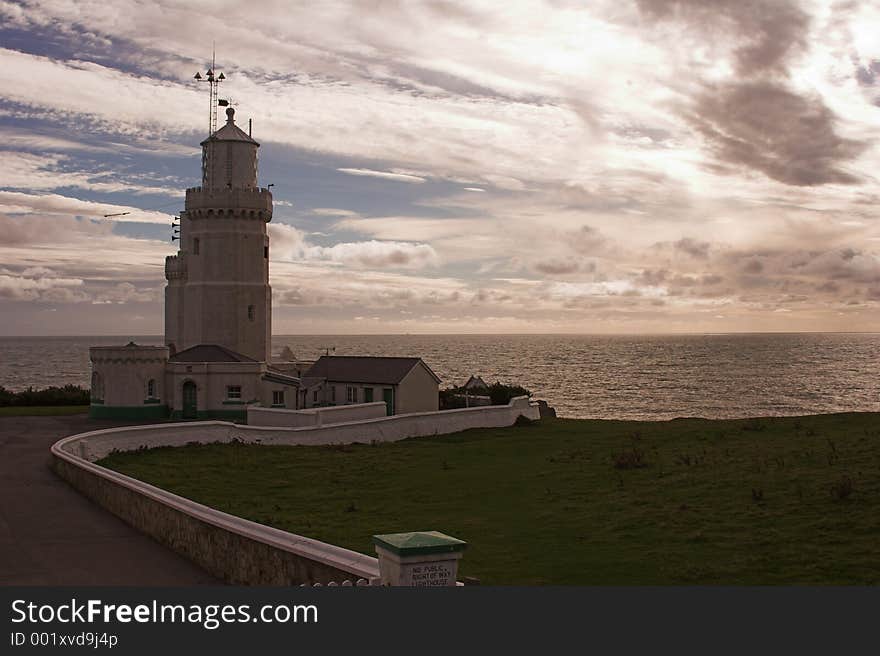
(690, 501)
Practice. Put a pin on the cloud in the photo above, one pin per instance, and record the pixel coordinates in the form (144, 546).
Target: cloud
(762, 125)
(386, 175)
(692, 247)
(31, 172)
(40, 288)
(332, 211)
(291, 244)
(737, 135)
(13, 202)
(380, 254)
(765, 34)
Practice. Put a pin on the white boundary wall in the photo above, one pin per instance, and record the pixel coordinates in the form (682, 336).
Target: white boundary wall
(260, 416)
(98, 444)
(166, 516)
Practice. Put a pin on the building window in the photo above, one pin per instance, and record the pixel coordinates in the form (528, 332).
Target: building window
(368, 395)
(351, 394)
(315, 397)
(278, 397)
(196, 246)
(333, 394)
(151, 389)
(252, 312)
(266, 252)
(233, 392)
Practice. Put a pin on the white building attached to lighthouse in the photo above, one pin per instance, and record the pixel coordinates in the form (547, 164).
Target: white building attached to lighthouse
(218, 306)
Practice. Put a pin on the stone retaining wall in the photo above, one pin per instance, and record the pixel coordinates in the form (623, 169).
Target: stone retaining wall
(235, 550)
(231, 548)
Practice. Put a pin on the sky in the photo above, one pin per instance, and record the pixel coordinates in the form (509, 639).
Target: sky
(655, 166)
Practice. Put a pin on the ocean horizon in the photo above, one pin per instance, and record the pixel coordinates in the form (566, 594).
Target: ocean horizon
(624, 376)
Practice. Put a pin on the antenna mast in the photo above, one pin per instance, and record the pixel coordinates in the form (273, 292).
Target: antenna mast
(213, 78)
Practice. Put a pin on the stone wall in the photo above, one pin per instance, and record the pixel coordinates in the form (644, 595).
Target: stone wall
(233, 549)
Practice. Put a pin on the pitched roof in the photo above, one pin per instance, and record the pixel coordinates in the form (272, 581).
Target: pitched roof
(365, 369)
(475, 381)
(275, 376)
(230, 131)
(209, 353)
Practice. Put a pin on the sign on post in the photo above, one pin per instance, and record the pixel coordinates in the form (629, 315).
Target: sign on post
(422, 558)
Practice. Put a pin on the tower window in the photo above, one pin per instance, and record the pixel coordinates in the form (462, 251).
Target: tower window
(195, 246)
(266, 252)
(252, 312)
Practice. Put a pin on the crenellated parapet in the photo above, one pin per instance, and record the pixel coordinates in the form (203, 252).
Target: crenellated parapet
(175, 267)
(253, 203)
(131, 354)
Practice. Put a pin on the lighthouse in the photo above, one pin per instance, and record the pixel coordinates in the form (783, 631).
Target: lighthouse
(218, 283)
(218, 305)
(216, 359)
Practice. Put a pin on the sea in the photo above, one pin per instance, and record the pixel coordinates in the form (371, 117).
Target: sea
(582, 376)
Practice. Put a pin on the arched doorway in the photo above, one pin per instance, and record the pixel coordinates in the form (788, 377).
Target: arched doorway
(190, 400)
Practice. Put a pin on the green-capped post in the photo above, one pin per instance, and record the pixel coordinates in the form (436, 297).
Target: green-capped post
(421, 558)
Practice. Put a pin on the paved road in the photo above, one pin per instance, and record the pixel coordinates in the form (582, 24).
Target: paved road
(51, 535)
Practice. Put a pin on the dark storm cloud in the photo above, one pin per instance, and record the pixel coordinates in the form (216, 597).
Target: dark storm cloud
(563, 266)
(867, 75)
(768, 32)
(756, 121)
(762, 125)
(693, 247)
(587, 240)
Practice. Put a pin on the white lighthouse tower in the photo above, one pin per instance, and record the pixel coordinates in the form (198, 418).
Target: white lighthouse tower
(218, 325)
(218, 284)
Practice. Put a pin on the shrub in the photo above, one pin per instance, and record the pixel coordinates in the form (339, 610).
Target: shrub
(522, 420)
(501, 394)
(842, 489)
(450, 399)
(66, 395)
(631, 459)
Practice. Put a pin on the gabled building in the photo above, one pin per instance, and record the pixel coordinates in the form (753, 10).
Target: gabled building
(404, 384)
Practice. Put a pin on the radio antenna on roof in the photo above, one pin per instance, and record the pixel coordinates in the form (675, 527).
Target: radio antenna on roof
(213, 78)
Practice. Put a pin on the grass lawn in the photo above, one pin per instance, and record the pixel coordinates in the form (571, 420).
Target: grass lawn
(768, 501)
(42, 410)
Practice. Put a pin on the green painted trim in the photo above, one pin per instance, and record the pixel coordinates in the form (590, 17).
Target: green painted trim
(152, 401)
(278, 405)
(419, 543)
(97, 401)
(152, 411)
